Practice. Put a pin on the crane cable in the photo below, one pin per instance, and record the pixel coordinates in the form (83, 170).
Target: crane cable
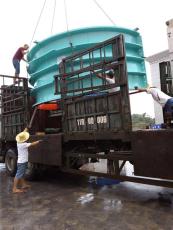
(104, 12)
(66, 18)
(53, 17)
(35, 31)
(38, 22)
(68, 32)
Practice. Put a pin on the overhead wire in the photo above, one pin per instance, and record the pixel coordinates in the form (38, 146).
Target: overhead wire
(110, 19)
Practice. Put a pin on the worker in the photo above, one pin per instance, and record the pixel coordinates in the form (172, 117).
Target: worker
(109, 77)
(22, 147)
(18, 56)
(163, 99)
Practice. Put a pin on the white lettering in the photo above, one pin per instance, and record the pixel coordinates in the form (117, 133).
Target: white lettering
(90, 120)
(101, 120)
(80, 121)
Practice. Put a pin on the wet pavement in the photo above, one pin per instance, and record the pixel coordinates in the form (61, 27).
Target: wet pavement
(68, 202)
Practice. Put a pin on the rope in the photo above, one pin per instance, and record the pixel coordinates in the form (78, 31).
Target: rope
(104, 12)
(38, 22)
(53, 17)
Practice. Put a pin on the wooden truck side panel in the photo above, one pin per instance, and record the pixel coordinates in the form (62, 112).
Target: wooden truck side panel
(48, 152)
(153, 153)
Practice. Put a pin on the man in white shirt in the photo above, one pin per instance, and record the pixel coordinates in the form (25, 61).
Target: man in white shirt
(22, 147)
(163, 99)
(110, 79)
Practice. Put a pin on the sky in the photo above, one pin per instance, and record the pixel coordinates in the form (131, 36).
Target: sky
(18, 20)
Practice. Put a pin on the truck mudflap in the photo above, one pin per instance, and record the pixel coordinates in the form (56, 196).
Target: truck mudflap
(48, 152)
(153, 153)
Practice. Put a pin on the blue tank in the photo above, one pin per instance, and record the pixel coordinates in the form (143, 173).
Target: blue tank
(45, 56)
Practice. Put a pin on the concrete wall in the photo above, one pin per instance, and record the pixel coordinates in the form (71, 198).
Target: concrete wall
(155, 79)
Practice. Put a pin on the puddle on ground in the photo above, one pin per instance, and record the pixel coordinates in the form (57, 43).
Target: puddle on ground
(112, 204)
(87, 198)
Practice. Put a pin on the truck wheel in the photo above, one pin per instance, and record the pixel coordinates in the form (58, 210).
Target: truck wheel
(30, 171)
(11, 162)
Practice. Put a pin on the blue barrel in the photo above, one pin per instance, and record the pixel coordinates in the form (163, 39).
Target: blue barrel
(45, 56)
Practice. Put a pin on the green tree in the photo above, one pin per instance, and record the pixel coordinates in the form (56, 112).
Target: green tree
(141, 121)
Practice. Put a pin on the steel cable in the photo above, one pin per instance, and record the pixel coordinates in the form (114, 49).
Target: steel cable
(38, 22)
(104, 12)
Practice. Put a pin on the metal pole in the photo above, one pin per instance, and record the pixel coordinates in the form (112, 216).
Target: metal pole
(32, 118)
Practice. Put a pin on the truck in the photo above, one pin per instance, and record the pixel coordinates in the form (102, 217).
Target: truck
(88, 124)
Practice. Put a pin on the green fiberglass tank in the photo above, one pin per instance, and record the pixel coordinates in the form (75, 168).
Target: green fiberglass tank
(45, 56)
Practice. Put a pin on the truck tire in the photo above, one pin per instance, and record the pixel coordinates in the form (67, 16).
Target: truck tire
(30, 173)
(11, 162)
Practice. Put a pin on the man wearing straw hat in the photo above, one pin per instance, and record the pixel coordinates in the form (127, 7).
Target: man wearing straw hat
(22, 147)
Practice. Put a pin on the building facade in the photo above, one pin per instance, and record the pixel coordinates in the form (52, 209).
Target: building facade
(161, 68)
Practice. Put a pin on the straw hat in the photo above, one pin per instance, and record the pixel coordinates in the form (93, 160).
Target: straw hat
(22, 137)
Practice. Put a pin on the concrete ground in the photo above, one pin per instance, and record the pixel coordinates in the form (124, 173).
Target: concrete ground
(69, 202)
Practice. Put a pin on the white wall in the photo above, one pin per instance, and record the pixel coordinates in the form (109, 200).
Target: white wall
(155, 81)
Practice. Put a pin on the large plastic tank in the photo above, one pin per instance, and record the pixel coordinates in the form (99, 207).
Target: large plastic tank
(45, 56)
